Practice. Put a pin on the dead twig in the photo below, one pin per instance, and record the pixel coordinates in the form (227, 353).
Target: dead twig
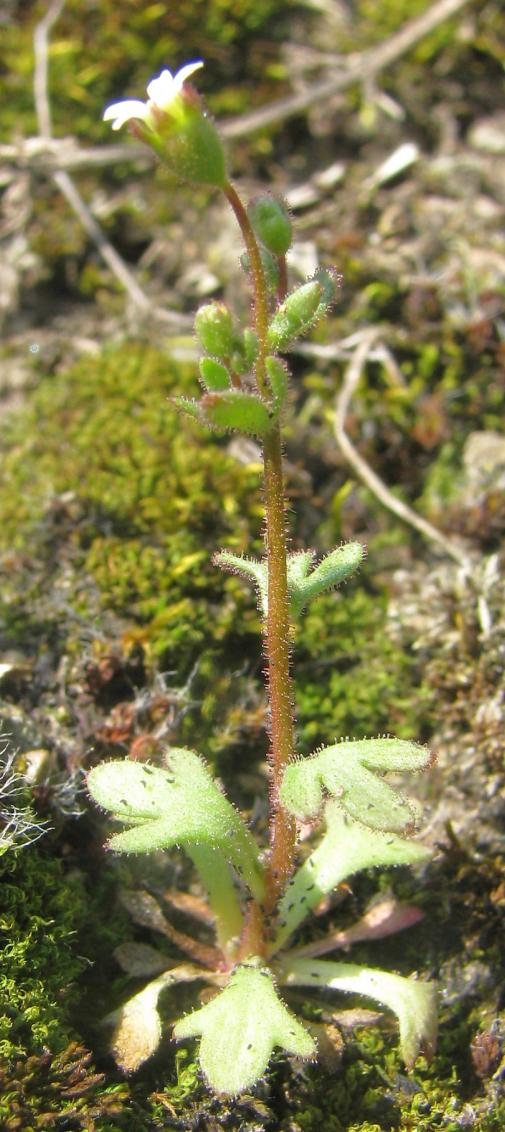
(64, 153)
(365, 472)
(65, 183)
(350, 69)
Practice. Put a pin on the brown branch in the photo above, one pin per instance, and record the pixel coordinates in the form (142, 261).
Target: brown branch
(363, 470)
(349, 70)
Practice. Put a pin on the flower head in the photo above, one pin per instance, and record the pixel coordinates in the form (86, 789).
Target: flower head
(163, 93)
(174, 123)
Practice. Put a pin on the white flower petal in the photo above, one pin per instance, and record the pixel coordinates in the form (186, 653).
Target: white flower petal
(123, 111)
(164, 89)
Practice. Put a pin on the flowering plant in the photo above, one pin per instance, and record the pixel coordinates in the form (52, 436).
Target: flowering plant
(258, 898)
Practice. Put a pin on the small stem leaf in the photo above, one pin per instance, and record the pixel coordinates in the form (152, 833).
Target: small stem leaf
(414, 1003)
(188, 406)
(347, 771)
(214, 375)
(241, 1027)
(251, 347)
(236, 411)
(346, 848)
(179, 805)
(137, 1031)
(250, 569)
(333, 569)
(278, 375)
(294, 316)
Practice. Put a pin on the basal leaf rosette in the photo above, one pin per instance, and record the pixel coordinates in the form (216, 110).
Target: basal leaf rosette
(240, 1028)
(179, 804)
(352, 772)
(414, 1002)
(346, 848)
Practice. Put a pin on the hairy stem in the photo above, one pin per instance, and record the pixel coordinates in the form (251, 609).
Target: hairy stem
(281, 824)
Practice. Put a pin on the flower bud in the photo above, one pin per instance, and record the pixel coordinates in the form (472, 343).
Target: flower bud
(271, 223)
(295, 315)
(214, 327)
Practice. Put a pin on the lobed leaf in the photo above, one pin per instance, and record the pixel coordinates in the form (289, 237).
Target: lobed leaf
(346, 848)
(241, 1027)
(350, 772)
(414, 1003)
(179, 805)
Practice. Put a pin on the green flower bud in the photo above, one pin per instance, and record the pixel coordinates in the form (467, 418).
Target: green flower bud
(214, 327)
(271, 223)
(295, 315)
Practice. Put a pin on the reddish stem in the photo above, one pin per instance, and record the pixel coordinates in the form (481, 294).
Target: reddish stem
(281, 824)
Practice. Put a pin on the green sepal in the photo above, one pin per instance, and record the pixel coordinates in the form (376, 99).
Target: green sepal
(241, 1027)
(190, 146)
(214, 328)
(350, 772)
(330, 282)
(295, 315)
(346, 848)
(278, 375)
(414, 1003)
(271, 222)
(214, 375)
(270, 267)
(180, 805)
(236, 411)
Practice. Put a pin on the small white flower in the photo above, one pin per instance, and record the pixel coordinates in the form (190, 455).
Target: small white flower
(162, 93)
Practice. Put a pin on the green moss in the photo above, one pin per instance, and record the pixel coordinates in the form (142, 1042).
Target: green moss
(352, 679)
(42, 911)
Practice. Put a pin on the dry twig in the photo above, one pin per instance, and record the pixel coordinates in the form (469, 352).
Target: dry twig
(365, 472)
(65, 183)
(64, 153)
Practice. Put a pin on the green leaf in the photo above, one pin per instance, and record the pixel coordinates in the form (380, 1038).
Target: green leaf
(294, 316)
(334, 568)
(345, 849)
(348, 771)
(214, 375)
(188, 406)
(278, 374)
(414, 1003)
(237, 411)
(181, 805)
(241, 1027)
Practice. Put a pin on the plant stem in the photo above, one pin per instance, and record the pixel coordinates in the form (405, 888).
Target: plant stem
(258, 276)
(276, 630)
(282, 824)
